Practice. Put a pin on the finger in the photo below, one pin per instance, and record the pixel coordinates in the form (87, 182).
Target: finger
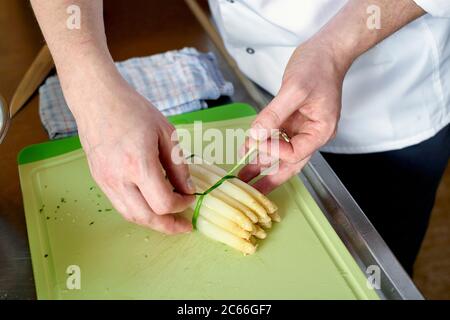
(173, 162)
(285, 172)
(140, 213)
(270, 149)
(248, 144)
(249, 172)
(159, 192)
(287, 101)
(253, 169)
(107, 183)
(245, 147)
(301, 146)
(114, 198)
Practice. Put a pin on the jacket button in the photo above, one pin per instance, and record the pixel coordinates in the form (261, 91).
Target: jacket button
(250, 50)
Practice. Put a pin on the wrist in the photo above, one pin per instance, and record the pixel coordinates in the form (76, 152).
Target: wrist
(343, 39)
(331, 54)
(86, 79)
(84, 65)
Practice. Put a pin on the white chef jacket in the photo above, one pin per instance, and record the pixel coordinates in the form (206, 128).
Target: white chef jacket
(395, 95)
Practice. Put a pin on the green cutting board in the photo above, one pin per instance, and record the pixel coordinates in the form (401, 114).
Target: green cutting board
(71, 223)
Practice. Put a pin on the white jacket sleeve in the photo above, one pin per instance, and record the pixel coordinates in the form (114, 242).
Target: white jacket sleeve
(437, 8)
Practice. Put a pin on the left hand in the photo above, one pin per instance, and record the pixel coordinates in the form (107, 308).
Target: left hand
(307, 108)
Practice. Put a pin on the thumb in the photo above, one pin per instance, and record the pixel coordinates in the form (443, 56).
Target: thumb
(285, 103)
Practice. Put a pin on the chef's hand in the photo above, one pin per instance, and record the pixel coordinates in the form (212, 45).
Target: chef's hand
(128, 145)
(309, 103)
(307, 108)
(127, 141)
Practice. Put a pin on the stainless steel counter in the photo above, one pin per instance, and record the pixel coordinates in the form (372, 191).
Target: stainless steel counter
(355, 230)
(353, 227)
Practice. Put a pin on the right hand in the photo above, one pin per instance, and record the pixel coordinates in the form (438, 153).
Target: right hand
(128, 145)
(307, 108)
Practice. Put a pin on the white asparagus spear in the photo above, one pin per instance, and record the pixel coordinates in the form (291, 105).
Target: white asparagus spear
(223, 222)
(236, 204)
(228, 212)
(275, 216)
(227, 199)
(266, 224)
(232, 190)
(223, 208)
(267, 204)
(214, 232)
(259, 232)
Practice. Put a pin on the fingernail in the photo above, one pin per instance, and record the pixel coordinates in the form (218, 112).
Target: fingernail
(258, 132)
(190, 184)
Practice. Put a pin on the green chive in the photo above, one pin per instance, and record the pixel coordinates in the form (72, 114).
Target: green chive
(228, 176)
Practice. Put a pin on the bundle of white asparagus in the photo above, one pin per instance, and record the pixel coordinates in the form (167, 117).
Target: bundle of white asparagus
(234, 213)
